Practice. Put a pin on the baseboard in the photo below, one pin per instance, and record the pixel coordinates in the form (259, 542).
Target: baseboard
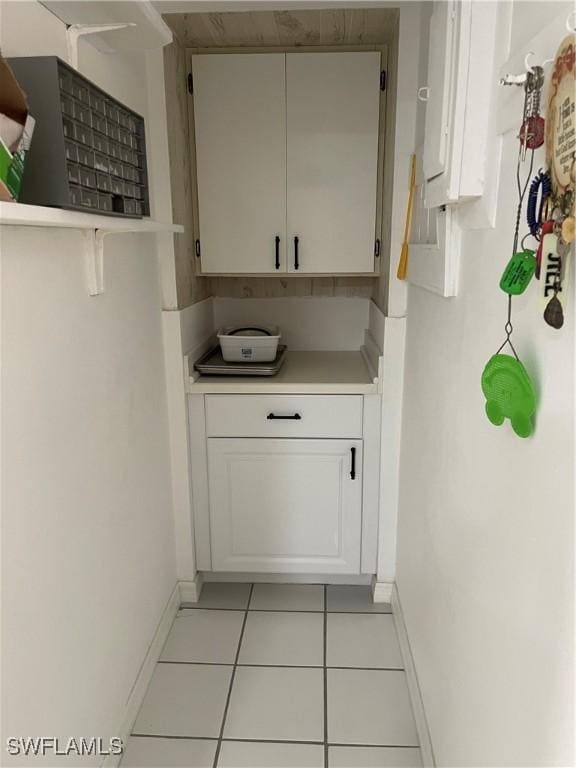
(412, 679)
(287, 578)
(190, 590)
(382, 591)
(145, 673)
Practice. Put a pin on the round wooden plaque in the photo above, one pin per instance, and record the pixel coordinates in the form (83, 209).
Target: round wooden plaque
(561, 119)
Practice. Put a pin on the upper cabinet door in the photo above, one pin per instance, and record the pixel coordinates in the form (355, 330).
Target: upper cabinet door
(333, 103)
(440, 63)
(240, 127)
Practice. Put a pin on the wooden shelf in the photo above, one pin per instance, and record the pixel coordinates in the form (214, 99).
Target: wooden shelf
(20, 215)
(94, 228)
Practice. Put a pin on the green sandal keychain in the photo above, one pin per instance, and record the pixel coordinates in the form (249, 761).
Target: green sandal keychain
(509, 394)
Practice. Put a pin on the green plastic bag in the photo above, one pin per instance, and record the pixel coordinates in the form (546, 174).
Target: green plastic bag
(509, 394)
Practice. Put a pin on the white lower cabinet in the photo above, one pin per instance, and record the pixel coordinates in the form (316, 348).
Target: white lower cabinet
(285, 483)
(285, 505)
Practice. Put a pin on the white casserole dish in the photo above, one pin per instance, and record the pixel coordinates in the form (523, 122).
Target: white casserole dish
(257, 344)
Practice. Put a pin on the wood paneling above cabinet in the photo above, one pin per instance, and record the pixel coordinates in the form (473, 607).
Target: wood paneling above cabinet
(363, 26)
(274, 287)
(190, 286)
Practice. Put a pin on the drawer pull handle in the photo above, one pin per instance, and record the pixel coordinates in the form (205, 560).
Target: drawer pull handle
(277, 243)
(296, 259)
(295, 417)
(353, 464)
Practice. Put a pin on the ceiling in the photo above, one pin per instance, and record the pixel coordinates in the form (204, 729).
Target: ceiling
(285, 28)
(223, 6)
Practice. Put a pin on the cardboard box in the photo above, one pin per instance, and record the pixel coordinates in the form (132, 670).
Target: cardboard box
(16, 128)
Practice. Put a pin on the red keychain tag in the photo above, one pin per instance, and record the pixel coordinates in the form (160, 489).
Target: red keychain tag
(532, 132)
(547, 229)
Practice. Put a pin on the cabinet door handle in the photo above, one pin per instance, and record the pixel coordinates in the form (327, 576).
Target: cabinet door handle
(296, 261)
(277, 262)
(294, 417)
(353, 464)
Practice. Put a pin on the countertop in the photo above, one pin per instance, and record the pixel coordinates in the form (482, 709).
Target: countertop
(303, 373)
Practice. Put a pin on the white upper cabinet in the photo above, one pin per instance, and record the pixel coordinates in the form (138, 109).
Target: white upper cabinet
(287, 161)
(240, 125)
(333, 102)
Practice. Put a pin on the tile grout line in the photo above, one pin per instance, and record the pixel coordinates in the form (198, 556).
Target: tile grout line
(325, 674)
(219, 745)
(374, 746)
(282, 666)
(274, 741)
(282, 610)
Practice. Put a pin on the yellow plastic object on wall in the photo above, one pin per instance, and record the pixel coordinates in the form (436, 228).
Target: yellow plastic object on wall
(403, 263)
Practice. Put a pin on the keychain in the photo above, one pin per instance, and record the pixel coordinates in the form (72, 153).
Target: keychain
(518, 273)
(532, 130)
(568, 229)
(546, 229)
(554, 274)
(505, 382)
(538, 202)
(554, 314)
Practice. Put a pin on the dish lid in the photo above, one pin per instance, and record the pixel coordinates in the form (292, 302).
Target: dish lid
(249, 330)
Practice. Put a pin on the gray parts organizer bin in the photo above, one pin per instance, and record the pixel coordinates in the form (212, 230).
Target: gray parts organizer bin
(88, 152)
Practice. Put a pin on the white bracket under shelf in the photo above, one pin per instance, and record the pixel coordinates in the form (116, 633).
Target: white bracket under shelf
(111, 26)
(94, 260)
(94, 229)
(75, 31)
(94, 257)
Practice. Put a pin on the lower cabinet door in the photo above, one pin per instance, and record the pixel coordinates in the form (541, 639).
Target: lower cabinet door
(285, 506)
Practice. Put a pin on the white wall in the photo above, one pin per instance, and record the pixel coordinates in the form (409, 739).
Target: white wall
(87, 532)
(308, 323)
(485, 554)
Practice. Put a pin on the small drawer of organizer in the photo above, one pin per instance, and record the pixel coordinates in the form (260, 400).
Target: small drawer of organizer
(88, 150)
(320, 416)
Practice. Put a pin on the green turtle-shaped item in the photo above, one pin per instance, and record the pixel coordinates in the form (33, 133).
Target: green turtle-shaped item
(509, 394)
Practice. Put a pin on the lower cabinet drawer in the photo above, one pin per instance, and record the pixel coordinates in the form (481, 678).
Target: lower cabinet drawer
(284, 416)
(285, 506)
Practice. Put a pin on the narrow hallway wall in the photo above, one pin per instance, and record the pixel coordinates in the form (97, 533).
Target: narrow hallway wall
(485, 557)
(87, 540)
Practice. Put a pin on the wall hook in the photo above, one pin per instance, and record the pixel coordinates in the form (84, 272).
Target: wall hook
(527, 65)
(513, 79)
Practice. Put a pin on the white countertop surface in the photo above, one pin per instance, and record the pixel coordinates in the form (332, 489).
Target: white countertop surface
(303, 373)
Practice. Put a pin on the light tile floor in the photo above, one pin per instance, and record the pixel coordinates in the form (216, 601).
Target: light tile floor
(278, 676)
